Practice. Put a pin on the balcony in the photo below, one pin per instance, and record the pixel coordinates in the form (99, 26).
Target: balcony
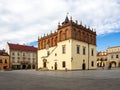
(24, 62)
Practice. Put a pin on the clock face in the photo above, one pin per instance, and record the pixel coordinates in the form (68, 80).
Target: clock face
(47, 47)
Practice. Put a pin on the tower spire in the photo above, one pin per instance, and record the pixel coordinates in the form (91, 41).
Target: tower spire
(66, 19)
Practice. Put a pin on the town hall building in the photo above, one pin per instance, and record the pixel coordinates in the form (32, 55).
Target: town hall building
(71, 47)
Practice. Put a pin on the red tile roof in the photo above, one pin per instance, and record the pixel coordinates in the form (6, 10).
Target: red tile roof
(22, 47)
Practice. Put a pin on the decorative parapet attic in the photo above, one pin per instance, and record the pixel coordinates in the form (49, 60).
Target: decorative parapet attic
(76, 31)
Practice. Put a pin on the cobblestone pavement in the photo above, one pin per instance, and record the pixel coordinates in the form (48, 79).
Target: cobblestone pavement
(60, 80)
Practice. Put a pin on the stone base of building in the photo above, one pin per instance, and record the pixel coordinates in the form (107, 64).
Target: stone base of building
(19, 67)
(46, 69)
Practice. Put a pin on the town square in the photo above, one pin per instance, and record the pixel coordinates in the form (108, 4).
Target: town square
(60, 80)
(59, 45)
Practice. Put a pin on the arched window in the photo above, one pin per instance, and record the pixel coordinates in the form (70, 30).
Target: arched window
(48, 42)
(66, 34)
(81, 35)
(55, 40)
(90, 38)
(60, 37)
(52, 42)
(41, 44)
(5, 60)
(87, 37)
(44, 43)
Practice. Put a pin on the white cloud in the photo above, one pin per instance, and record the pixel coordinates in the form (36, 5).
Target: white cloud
(22, 21)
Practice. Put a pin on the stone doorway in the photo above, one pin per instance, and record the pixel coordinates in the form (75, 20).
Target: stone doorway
(83, 66)
(113, 64)
(29, 66)
(33, 66)
(5, 67)
(55, 65)
(44, 63)
(23, 66)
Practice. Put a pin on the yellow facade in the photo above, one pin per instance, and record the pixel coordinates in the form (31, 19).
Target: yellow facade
(72, 60)
(71, 47)
(4, 62)
(79, 59)
(102, 60)
(114, 56)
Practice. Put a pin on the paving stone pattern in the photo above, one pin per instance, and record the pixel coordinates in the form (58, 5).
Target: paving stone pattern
(60, 80)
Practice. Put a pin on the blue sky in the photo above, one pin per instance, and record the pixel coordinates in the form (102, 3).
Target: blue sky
(22, 21)
(108, 40)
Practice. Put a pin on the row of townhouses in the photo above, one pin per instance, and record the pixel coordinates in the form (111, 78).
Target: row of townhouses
(111, 57)
(18, 56)
(71, 47)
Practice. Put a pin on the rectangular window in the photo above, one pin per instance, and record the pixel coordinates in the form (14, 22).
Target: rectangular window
(84, 50)
(111, 56)
(63, 64)
(23, 54)
(18, 54)
(92, 52)
(13, 53)
(48, 53)
(117, 56)
(63, 49)
(92, 64)
(28, 58)
(0, 60)
(55, 54)
(78, 49)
